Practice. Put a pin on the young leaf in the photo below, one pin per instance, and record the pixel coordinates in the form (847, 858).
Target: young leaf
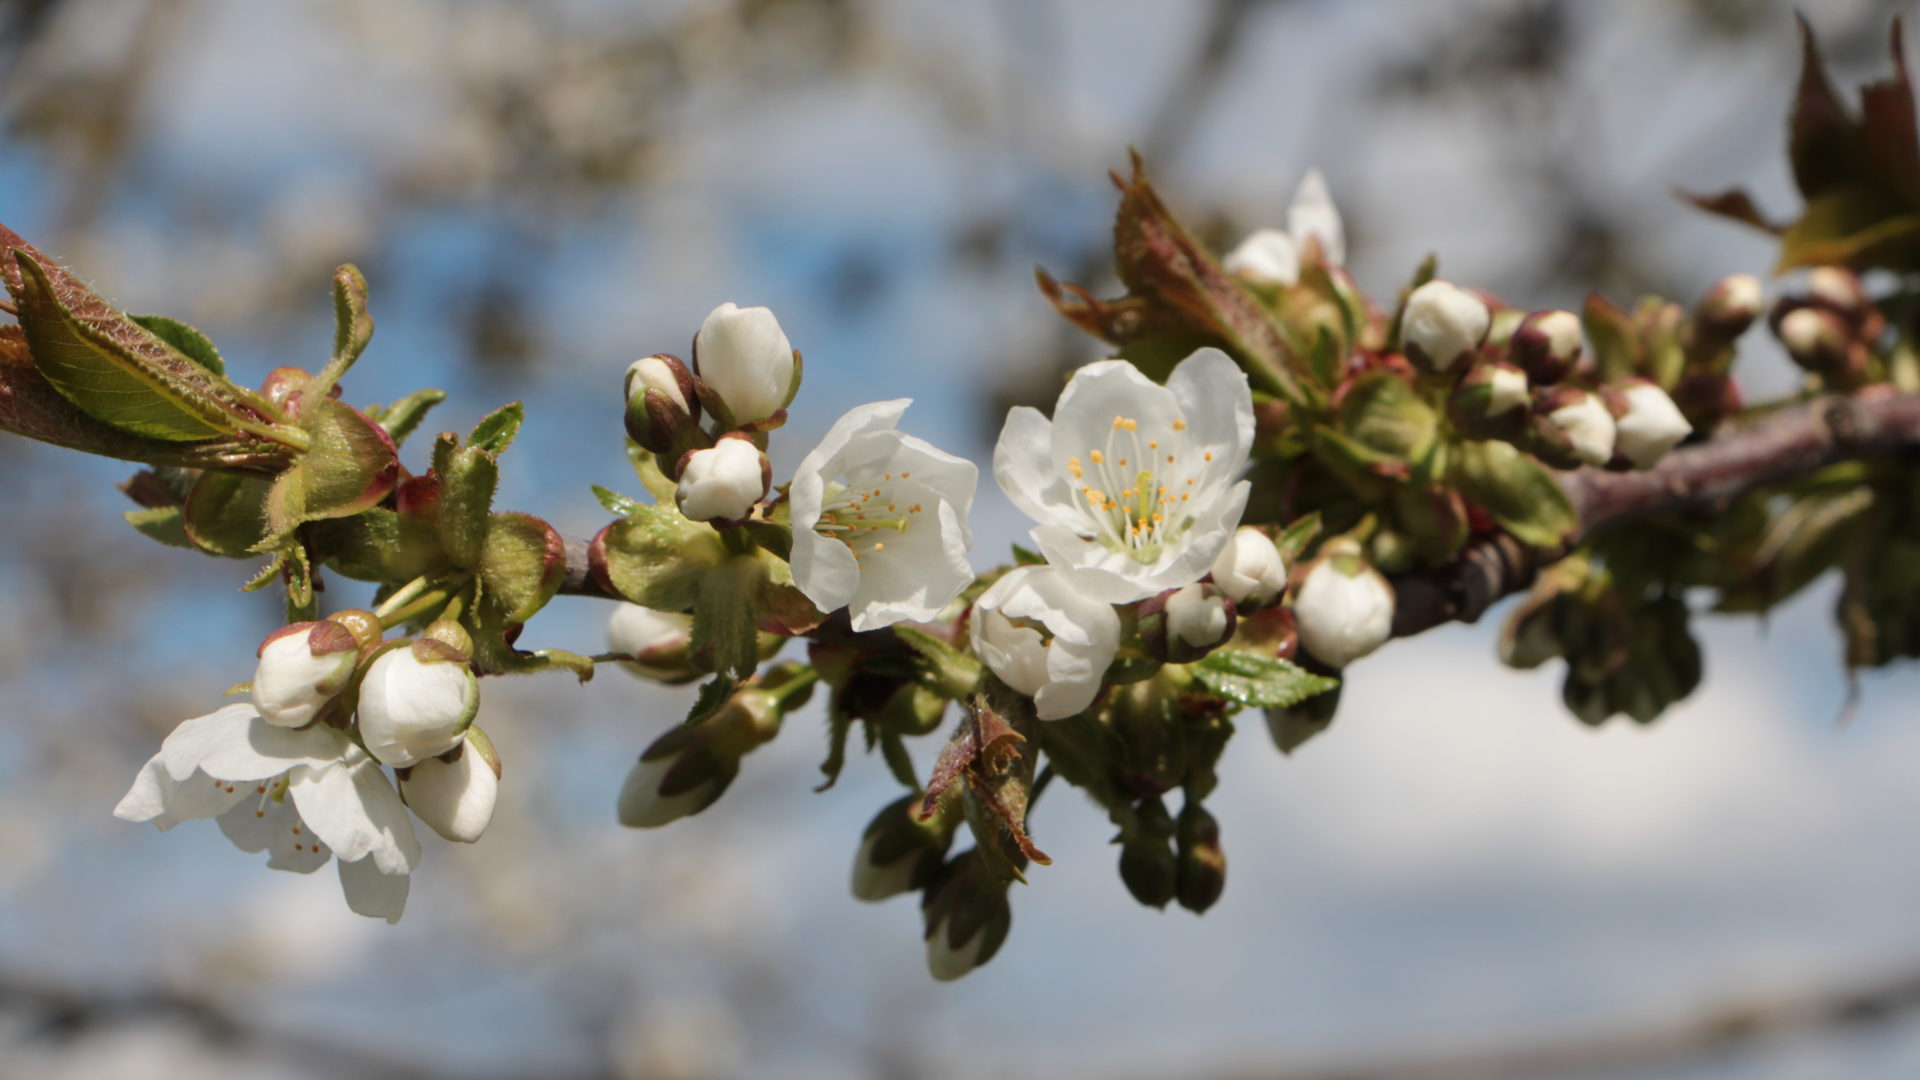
(166, 524)
(1254, 679)
(726, 616)
(656, 557)
(495, 431)
(191, 343)
(521, 565)
(467, 480)
(617, 504)
(1516, 491)
(403, 417)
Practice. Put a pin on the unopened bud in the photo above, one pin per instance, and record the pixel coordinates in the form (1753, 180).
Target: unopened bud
(1839, 290)
(1572, 427)
(967, 916)
(1182, 625)
(1148, 866)
(1490, 402)
(454, 793)
(1250, 569)
(1817, 339)
(744, 357)
(416, 702)
(302, 668)
(723, 482)
(1203, 862)
(1729, 307)
(1267, 256)
(1343, 607)
(1647, 424)
(689, 767)
(1546, 346)
(661, 405)
(1442, 325)
(899, 853)
(658, 645)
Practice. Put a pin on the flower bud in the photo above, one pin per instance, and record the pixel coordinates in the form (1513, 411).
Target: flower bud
(302, 668)
(1839, 290)
(1343, 607)
(454, 793)
(723, 482)
(1546, 345)
(661, 405)
(1729, 307)
(689, 767)
(1148, 866)
(1249, 569)
(1182, 625)
(658, 645)
(967, 916)
(416, 701)
(1266, 256)
(1202, 861)
(1443, 324)
(744, 357)
(1817, 339)
(900, 853)
(1490, 402)
(1647, 424)
(1572, 427)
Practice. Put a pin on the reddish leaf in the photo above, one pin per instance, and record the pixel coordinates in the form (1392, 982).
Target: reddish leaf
(1823, 142)
(1733, 204)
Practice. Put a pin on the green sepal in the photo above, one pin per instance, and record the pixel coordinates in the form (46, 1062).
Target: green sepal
(1616, 346)
(1519, 493)
(166, 524)
(521, 564)
(646, 466)
(1027, 557)
(726, 616)
(350, 465)
(1253, 679)
(352, 329)
(378, 545)
(1385, 416)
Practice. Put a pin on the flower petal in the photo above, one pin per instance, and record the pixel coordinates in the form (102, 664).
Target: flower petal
(235, 743)
(372, 893)
(819, 466)
(1023, 466)
(1218, 403)
(157, 797)
(274, 826)
(1313, 214)
(355, 811)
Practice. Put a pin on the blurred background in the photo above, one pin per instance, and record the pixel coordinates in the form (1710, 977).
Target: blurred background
(540, 193)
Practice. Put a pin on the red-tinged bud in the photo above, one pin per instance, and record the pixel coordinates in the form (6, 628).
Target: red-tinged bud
(1443, 325)
(1490, 402)
(1182, 625)
(1817, 339)
(662, 408)
(1203, 862)
(1546, 346)
(723, 482)
(1571, 427)
(1840, 291)
(1728, 308)
(282, 383)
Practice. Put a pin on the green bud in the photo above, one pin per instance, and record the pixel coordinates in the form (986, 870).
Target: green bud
(899, 853)
(967, 916)
(1147, 863)
(1203, 862)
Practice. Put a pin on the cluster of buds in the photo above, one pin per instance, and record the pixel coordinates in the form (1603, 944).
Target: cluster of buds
(745, 372)
(1829, 330)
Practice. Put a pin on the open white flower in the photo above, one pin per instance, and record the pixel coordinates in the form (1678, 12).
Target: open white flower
(1273, 255)
(880, 520)
(1040, 629)
(1135, 481)
(299, 795)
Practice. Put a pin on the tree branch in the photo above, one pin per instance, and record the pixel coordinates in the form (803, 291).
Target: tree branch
(1790, 442)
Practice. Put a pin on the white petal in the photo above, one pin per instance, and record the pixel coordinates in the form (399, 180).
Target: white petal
(1024, 468)
(157, 797)
(455, 799)
(1313, 214)
(234, 743)
(1266, 255)
(290, 684)
(824, 570)
(744, 356)
(354, 810)
(372, 893)
(262, 824)
(1083, 420)
(1652, 426)
(412, 709)
(1214, 395)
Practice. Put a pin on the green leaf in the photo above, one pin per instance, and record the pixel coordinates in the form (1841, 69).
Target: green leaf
(467, 480)
(495, 431)
(617, 504)
(1254, 679)
(1383, 414)
(225, 513)
(403, 417)
(726, 616)
(657, 558)
(116, 370)
(1852, 226)
(351, 463)
(166, 524)
(1027, 557)
(648, 470)
(352, 329)
(1516, 491)
(1293, 540)
(1616, 347)
(190, 342)
(521, 565)
(378, 545)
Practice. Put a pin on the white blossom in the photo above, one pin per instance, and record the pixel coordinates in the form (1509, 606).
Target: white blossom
(1273, 255)
(880, 520)
(1651, 426)
(1443, 323)
(1043, 632)
(744, 356)
(301, 795)
(657, 644)
(298, 674)
(1134, 481)
(1250, 569)
(722, 482)
(1344, 609)
(415, 703)
(1589, 427)
(455, 798)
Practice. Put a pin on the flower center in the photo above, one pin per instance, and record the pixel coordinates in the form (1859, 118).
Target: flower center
(863, 516)
(1138, 490)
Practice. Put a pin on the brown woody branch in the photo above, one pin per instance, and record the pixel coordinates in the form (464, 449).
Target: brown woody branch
(1790, 442)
